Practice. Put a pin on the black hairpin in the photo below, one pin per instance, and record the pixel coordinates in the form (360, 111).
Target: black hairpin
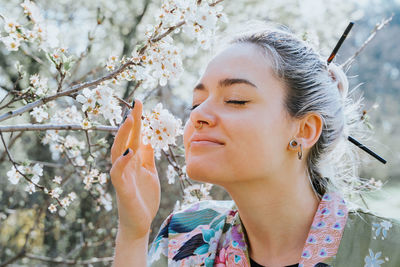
(333, 54)
(340, 42)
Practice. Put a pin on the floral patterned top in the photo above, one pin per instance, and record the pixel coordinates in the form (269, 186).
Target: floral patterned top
(210, 233)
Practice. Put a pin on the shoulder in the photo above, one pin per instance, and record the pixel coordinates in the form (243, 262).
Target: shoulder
(369, 237)
(370, 222)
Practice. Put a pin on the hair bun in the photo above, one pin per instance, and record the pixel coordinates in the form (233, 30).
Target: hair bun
(340, 77)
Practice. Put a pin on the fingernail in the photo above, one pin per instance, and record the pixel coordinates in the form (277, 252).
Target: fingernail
(133, 103)
(126, 152)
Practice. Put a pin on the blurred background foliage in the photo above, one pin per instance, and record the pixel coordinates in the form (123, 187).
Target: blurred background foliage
(94, 30)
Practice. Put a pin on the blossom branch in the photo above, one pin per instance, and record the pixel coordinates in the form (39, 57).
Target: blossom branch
(67, 261)
(11, 143)
(41, 187)
(15, 164)
(62, 76)
(182, 186)
(72, 90)
(216, 2)
(13, 91)
(378, 27)
(43, 127)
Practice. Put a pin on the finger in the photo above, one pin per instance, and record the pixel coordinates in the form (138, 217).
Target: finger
(121, 138)
(118, 168)
(134, 138)
(147, 155)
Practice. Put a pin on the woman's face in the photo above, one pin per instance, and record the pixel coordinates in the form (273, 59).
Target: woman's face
(254, 135)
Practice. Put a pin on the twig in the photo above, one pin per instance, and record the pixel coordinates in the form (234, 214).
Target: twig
(67, 261)
(11, 143)
(41, 187)
(123, 102)
(216, 2)
(15, 164)
(62, 77)
(378, 27)
(72, 90)
(43, 127)
(126, 108)
(13, 91)
(48, 164)
(170, 29)
(38, 60)
(89, 144)
(172, 160)
(83, 77)
(88, 139)
(134, 89)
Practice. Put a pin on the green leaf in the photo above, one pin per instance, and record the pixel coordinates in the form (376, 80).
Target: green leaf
(51, 58)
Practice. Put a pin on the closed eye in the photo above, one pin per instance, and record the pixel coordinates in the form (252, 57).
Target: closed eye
(236, 102)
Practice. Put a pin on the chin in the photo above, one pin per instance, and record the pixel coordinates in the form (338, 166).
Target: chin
(196, 171)
(205, 173)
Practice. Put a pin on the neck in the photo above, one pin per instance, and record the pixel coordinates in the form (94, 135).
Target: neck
(277, 214)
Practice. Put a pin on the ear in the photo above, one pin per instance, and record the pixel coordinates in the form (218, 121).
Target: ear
(310, 128)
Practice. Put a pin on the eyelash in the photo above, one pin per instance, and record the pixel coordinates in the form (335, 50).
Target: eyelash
(237, 102)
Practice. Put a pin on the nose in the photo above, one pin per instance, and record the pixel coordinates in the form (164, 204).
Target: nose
(203, 114)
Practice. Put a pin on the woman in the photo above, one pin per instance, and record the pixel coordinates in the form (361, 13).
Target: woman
(269, 122)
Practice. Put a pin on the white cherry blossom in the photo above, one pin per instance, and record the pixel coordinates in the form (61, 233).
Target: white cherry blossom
(171, 173)
(11, 43)
(160, 128)
(11, 25)
(65, 202)
(72, 196)
(57, 179)
(13, 175)
(55, 193)
(87, 99)
(38, 85)
(39, 114)
(102, 178)
(52, 208)
(31, 10)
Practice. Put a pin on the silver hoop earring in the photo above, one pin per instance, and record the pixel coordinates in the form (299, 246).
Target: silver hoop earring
(294, 144)
(300, 155)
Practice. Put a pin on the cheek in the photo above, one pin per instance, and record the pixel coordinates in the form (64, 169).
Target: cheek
(256, 144)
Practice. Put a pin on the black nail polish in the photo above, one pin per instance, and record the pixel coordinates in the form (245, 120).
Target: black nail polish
(133, 103)
(126, 152)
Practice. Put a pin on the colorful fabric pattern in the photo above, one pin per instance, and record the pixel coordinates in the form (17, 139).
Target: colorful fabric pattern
(210, 233)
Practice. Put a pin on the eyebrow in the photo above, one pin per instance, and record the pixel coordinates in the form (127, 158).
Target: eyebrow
(225, 83)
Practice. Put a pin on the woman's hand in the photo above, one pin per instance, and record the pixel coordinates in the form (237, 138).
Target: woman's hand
(134, 177)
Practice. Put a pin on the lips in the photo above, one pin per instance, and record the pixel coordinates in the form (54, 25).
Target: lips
(198, 137)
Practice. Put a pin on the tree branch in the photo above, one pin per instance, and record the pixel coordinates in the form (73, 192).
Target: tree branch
(67, 261)
(72, 90)
(378, 27)
(43, 127)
